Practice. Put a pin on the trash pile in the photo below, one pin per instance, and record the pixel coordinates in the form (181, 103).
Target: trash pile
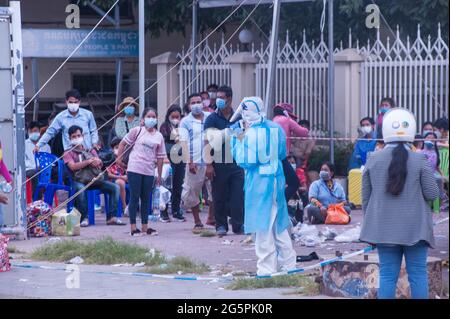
(311, 236)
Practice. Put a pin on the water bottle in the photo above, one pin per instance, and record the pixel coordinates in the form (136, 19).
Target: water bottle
(155, 198)
(6, 187)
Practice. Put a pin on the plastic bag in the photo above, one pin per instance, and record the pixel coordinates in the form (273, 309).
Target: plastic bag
(336, 215)
(349, 236)
(64, 224)
(4, 256)
(328, 233)
(307, 235)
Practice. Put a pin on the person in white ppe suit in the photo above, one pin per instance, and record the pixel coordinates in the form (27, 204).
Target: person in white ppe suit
(258, 146)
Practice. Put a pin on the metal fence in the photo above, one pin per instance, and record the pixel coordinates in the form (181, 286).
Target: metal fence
(413, 72)
(301, 79)
(211, 68)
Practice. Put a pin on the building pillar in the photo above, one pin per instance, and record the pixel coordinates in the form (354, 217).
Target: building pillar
(168, 87)
(347, 92)
(242, 75)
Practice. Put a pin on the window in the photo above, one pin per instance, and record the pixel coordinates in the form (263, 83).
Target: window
(99, 83)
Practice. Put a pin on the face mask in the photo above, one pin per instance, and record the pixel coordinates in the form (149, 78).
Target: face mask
(384, 110)
(206, 103)
(77, 141)
(221, 103)
(174, 122)
(73, 107)
(438, 134)
(324, 175)
(116, 152)
(150, 122)
(426, 132)
(212, 95)
(294, 166)
(34, 136)
(129, 110)
(429, 144)
(197, 109)
(367, 129)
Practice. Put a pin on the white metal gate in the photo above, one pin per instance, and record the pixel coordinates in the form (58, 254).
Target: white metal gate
(211, 69)
(301, 79)
(414, 73)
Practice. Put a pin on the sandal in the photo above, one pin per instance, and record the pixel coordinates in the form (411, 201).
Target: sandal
(136, 232)
(152, 232)
(198, 228)
(115, 222)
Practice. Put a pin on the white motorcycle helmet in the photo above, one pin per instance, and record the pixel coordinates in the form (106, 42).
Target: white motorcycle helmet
(399, 125)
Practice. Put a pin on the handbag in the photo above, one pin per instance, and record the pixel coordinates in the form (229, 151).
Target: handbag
(126, 153)
(88, 173)
(336, 215)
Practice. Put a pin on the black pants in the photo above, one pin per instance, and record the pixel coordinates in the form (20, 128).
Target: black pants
(292, 181)
(178, 171)
(228, 195)
(141, 187)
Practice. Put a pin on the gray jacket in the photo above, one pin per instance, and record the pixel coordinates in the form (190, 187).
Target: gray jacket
(404, 219)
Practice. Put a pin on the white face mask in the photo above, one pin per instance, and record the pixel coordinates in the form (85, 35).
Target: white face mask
(174, 122)
(116, 151)
(196, 109)
(366, 129)
(73, 107)
(76, 141)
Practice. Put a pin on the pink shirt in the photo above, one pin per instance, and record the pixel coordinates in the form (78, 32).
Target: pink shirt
(146, 150)
(291, 129)
(3, 169)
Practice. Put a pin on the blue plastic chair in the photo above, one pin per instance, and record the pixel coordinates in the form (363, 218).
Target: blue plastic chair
(44, 163)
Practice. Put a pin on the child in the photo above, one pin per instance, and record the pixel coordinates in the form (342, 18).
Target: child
(117, 174)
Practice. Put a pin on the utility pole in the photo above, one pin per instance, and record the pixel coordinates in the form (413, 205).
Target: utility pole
(141, 56)
(194, 44)
(331, 78)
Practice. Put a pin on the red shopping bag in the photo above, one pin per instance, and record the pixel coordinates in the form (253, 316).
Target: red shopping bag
(336, 215)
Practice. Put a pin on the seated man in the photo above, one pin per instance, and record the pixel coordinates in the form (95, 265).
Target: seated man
(30, 144)
(78, 159)
(324, 192)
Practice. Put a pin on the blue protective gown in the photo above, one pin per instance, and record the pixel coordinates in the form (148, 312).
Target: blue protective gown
(260, 175)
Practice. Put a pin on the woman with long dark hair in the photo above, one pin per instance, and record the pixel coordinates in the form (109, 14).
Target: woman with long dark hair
(397, 185)
(169, 130)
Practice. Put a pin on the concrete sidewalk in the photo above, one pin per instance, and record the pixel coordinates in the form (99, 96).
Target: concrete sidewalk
(225, 254)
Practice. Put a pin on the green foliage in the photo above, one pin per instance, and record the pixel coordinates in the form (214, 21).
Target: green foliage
(309, 287)
(342, 154)
(176, 16)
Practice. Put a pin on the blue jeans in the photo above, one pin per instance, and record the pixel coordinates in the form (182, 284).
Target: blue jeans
(141, 187)
(109, 188)
(416, 267)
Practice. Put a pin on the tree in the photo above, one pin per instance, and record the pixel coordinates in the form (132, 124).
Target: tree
(176, 16)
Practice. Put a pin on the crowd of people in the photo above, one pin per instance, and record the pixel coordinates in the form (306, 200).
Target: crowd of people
(209, 145)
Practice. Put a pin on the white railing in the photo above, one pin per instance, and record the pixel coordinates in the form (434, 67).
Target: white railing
(414, 73)
(301, 79)
(211, 68)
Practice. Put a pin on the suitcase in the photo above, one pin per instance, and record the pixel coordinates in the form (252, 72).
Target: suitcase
(355, 186)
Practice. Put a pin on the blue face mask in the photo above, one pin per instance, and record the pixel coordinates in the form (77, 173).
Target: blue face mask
(129, 110)
(324, 175)
(428, 144)
(221, 103)
(34, 136)
(150, 122)
(384, 110)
